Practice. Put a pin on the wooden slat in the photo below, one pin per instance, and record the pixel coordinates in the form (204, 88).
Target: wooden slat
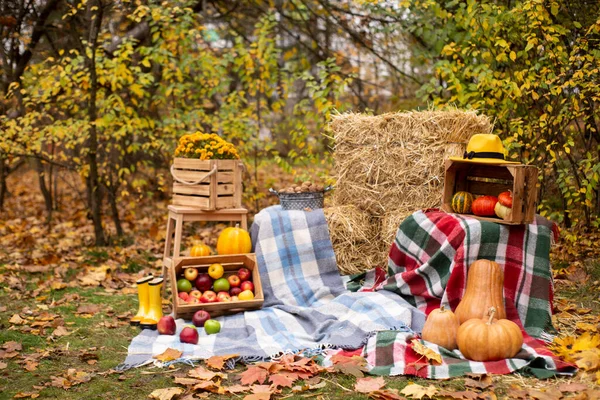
(192, 201)
(225, 177)
(199, 190)
(191, 163)
(224, 202)
(487, 188)
(519, 195)
(237, 184)
(192, 176)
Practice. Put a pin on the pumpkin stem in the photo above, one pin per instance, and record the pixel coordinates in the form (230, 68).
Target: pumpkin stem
(492, 311)
(442, 308)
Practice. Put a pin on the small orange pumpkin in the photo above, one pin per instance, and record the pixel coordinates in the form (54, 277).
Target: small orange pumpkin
(200, 250)
(234, 240)
(489, 339)
(441, 328)
(485, 289)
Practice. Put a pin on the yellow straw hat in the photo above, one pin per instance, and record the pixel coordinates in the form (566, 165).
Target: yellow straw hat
(485, 148)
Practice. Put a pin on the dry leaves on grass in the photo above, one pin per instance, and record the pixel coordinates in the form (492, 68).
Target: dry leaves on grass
(166, 393)
(416, 391)
(367, 385)
(218, 362)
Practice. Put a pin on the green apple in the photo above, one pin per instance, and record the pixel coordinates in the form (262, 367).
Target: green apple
(183, 285)
(212, 326)
(221, 285)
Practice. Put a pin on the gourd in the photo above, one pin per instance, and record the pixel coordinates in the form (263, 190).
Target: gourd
(200, 250)
(234, 240)
(503, 208)
(489, 339)
(485, 287)
(441, 328)
(484, 206)
(461, 202)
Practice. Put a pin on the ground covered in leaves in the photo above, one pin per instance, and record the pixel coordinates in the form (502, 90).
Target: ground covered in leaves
(65, 307)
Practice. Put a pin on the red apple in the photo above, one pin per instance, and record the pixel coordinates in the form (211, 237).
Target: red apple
(183, 296)
(223, 297)
(208, 297)
(244, 274)
(234, 291)
(166, 325)
(234, 280)
(203, 282)
(189, 334)
(234, 298)
(247, 285)
(200, 317)
(195, 293)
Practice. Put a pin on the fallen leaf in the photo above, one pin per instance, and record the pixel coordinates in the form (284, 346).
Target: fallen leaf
(572, 387)
(31, 365)
(588, 360)
(201, 373)
(418, 392)
(258, 396)
(388, 394)
(60, 331)
(166, 393)
(236, 389)
(586, 341)
(350, 369)
(281, 380)
(303, 388)
(186, 381)
(16, 320)
(367, 385)
(261, 389)
(12, 346)
(429, 354)
(254, 374)
(168, 355)
(88, 309)
(482, 383)
(354, 360)
(26, 395)
(550, 394)
(218, 362)
(3, 365)
(463, 395)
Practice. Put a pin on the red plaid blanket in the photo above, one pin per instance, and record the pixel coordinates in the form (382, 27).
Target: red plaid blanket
(427, 266)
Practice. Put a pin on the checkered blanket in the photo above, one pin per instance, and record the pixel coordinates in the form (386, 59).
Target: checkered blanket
(427, 266)
(307, 307)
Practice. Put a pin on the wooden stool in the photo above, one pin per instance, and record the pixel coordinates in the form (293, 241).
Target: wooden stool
(180, 214)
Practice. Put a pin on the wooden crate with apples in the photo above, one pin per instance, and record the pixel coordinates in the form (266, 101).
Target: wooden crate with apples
(492, 180)
(207, 184)
(231, 265)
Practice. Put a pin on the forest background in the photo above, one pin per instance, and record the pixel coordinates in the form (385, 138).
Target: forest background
(96, 93)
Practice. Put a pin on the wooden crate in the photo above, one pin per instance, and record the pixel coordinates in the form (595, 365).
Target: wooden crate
(230, 263)
(483, 179)
(207, 184)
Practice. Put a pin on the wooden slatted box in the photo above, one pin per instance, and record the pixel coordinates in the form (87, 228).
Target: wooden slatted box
(231, 264)
(483, 179)
(207, 184)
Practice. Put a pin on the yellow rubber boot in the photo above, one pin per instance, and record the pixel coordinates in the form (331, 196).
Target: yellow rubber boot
(143, 299)
(155, 312)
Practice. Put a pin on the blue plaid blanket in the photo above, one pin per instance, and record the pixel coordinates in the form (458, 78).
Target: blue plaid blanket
(307, 308)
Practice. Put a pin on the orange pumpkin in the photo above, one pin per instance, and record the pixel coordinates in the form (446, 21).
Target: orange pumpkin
(200, 250)
(441, 328)
(234, 241)
(485, 289)
(489, 339)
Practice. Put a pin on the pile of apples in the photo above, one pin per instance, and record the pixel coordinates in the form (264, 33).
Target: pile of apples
(212, 287)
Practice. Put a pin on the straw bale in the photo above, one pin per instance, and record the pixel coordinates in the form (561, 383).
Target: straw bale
(354, 237)
(394, 161)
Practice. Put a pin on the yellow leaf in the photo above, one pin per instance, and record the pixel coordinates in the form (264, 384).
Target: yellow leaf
(168, 355)
(587, 341)
(418, 391)
(166, 393)
(425, 351)
(513, 55)
(588, 360)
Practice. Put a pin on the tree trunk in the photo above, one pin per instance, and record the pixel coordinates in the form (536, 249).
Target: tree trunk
(112, 198)
(3, 174)
(94, 190)
(39, 167)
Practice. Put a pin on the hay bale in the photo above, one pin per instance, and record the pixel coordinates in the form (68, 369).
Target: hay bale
(390, 224)
(394, 161)
(354, 235)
